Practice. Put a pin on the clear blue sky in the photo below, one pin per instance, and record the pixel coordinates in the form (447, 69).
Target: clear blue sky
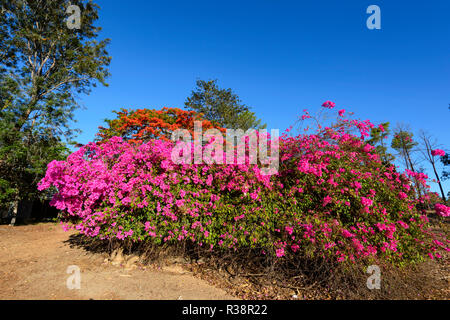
(280, 57)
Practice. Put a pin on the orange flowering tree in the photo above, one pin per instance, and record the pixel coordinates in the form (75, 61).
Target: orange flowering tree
(141, 125)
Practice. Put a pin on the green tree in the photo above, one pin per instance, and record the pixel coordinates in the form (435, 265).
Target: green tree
(44, 65)
(404, 144)
(446, 162)
(378, 135)
(446, 173)
(222, 106)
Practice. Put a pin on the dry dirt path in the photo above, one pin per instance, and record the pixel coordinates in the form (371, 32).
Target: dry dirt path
(34, 260)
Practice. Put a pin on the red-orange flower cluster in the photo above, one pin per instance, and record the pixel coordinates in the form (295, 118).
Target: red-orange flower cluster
(142, 125)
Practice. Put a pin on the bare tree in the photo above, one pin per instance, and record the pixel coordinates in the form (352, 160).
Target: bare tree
(427, 145)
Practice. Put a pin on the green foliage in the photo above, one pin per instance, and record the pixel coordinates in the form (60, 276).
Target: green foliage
(446, 162)
(403, 141)
(377, 139)
(222, 106)
(43, 66)
(23, 160)
(404, 144)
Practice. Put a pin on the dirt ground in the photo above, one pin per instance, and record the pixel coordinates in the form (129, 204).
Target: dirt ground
(34, 261)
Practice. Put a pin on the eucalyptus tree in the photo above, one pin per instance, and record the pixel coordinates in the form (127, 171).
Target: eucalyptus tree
(46, 62)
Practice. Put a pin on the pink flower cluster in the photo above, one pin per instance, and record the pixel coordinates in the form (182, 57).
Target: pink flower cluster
(329, 104)
(442, 210)
(438, 152)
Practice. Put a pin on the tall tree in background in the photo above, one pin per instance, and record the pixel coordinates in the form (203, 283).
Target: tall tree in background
(222, 106)
(43, 66)
(430, 151)
(446, 162)
(404, 144)
(378, 135)
(446, 173)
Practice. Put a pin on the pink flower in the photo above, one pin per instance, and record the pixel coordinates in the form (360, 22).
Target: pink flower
(366, 202)
(403, 224)
(289, 230)
(280, 252)
(306, 116)
(326, 200)
(368, 148)
(179, 203)
(347, 233)
(329, 245)
(341, 112)
(254, 195)
(402, 195)
(442, 210)
(328, 104)
(438, 152)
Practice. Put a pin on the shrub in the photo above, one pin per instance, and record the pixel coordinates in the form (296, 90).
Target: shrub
(332, 199)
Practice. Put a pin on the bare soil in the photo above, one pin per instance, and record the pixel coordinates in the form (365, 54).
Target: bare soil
(34, 261)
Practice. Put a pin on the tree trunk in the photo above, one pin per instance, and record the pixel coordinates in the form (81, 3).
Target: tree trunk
(439, 182)
(15, 211)
(419, 193)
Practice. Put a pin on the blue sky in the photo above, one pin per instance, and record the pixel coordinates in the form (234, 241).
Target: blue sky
(280, 57)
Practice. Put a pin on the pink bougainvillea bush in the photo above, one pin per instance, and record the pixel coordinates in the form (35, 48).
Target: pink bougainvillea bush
(331, 198)
(442, 210)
